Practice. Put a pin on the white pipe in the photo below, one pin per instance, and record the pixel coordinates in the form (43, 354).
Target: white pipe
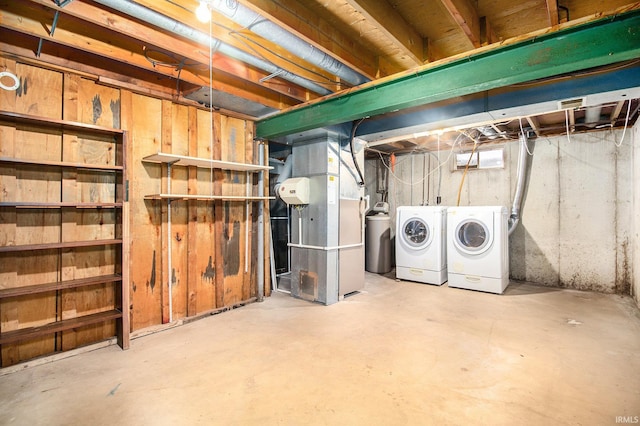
(329, 248)
(169, 243)
(168, 24)
(246, 225)
(255, 22)
(261, 225)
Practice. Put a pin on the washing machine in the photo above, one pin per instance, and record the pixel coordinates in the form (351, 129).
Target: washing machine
(478, 248)
(421, 244)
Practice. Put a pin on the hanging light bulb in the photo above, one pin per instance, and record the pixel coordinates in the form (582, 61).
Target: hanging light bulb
(203, 13)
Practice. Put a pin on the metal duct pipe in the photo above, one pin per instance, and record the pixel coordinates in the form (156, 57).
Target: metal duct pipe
(166, 23)
(488, 131)
(518, 198)
(255, 22)
(592, 116)
(285, 174)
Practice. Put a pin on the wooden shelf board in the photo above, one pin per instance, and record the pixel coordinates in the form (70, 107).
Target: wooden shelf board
(60, 285)
(68, 244)
(55, 327)
(181, 160)
(101, 167)
(205, 197)
(55, 123)
(57, 204)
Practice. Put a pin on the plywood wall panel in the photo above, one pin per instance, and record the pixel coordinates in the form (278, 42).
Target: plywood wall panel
(202, 269)
(40, 92)
(146, 244)
(176, 125)
(233, 146)
(97, 104)
(217, 178)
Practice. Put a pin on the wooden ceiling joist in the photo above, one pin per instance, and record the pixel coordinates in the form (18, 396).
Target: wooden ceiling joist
(389, 21)
(466, 16)
(552, 12)
(535, 125)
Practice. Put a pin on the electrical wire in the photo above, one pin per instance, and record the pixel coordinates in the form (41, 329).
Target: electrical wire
(466, 168)
(626, 123)
(399, 180)
(354, 127)
(526, 145)
(566, 120)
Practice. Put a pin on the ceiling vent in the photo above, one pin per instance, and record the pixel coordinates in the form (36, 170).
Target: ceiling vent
(571, 103)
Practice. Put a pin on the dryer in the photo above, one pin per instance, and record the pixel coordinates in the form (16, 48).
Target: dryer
(421, 244)
(477, 248)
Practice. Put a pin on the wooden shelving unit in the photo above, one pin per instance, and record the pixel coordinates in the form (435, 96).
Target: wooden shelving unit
(58, 205)
(203, 163)
(61, 245)
(205, 197)
(182, 160)
(109, 175)
(207, 164)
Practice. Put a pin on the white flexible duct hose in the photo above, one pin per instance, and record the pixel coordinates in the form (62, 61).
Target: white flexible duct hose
(516, 208)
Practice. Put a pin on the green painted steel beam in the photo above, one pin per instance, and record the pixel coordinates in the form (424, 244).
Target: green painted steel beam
(605, 41)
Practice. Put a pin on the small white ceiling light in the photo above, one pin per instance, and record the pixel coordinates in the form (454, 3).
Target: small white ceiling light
(203, 13)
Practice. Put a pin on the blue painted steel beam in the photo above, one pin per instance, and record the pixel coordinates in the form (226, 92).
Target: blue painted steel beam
(433, 115)
(605, 41)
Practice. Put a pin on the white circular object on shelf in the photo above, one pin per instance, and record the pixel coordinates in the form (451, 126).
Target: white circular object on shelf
(16, 82)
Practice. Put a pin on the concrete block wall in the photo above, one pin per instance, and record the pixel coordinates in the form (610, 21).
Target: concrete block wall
(577, 227)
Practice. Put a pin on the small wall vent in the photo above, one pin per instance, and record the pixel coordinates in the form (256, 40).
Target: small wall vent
(571, 103)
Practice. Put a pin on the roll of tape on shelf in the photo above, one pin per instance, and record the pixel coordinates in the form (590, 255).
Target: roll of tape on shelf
(16, 82)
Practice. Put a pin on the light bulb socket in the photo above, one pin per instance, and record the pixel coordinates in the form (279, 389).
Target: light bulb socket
(203, 13)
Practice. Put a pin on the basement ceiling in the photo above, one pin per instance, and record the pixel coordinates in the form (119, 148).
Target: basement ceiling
(246, 68)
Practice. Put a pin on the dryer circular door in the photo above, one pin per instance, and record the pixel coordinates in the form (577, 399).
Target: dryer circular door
(416, 233)
(473, 237)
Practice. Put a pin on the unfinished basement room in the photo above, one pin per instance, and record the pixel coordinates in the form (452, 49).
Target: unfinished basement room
(319, 212)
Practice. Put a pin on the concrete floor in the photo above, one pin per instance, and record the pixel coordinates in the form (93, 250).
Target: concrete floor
(399, 353)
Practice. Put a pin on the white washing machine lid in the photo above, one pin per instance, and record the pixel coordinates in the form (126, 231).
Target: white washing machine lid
(416, 233)
(473, 236)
